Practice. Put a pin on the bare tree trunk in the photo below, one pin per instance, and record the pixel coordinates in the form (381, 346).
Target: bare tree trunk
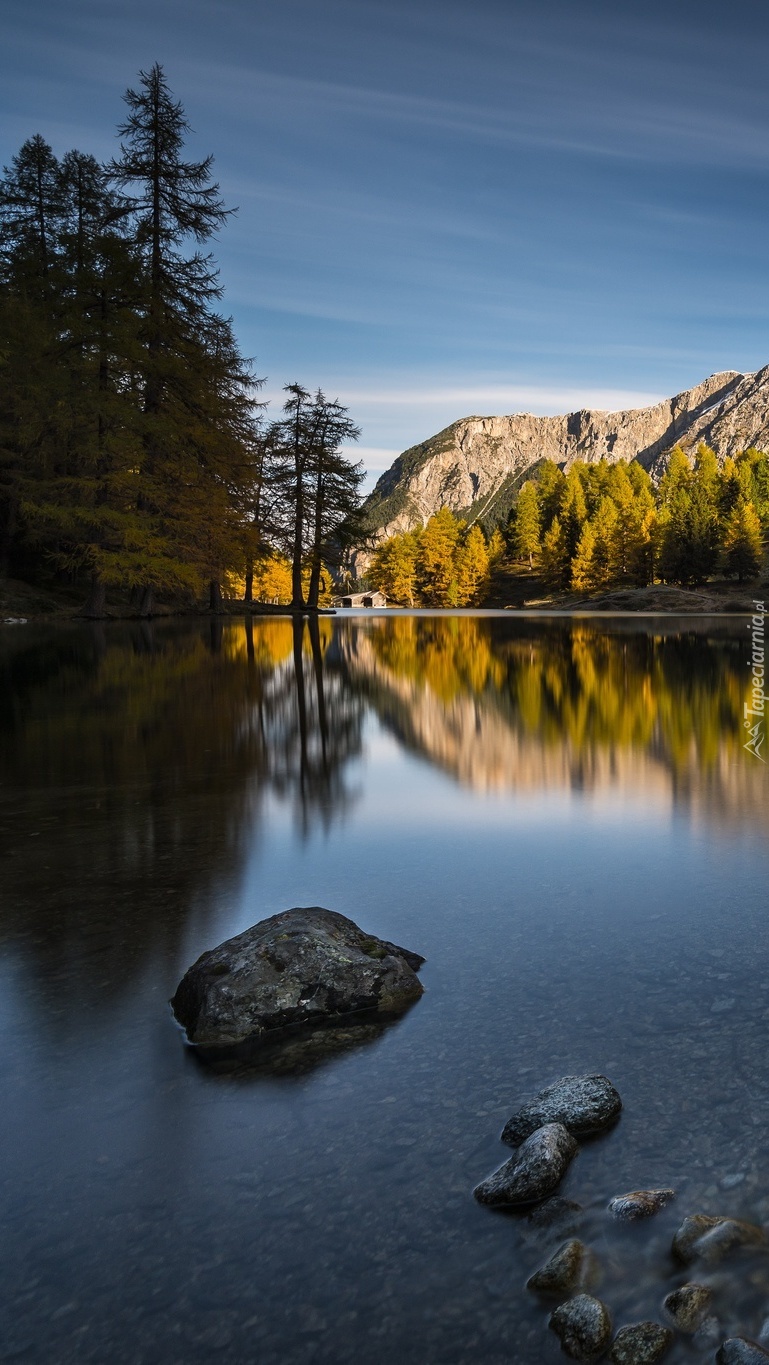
(248, 594)
(214, 597)
(297, 592)
(147, 604)
(95, 608)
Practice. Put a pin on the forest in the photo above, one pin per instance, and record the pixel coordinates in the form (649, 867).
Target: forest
(135, 455)
(595, 527)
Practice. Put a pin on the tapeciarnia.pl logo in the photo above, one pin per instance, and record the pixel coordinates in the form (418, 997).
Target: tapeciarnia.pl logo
(754, 709)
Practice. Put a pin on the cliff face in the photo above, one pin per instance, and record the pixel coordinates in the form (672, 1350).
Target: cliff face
(476, 462)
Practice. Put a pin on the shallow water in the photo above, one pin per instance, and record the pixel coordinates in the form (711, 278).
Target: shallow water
(559, 815)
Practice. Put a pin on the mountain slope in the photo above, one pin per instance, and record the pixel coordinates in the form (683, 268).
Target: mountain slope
(477, 462)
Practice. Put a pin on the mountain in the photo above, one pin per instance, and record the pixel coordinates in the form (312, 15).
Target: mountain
(475, 465)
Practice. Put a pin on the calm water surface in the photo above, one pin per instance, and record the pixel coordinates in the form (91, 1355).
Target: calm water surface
(559, 815)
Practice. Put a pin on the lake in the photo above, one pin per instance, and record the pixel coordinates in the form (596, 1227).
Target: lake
(559, 814)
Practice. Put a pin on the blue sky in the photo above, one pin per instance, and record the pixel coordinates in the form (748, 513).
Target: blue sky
(450, 208)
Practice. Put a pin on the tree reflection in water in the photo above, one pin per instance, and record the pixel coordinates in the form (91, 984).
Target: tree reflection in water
(136, 764)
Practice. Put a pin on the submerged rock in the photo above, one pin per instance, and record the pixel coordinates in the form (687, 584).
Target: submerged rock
(708, 1333)
(644, 1343)
(533, 1172)
(303, 967)
(740, 1351)
(688, 1306)
(703, 1238)
(556, 1215)
(583, 1104)
(565, 1272)
(583, 1327)
(640, 1203)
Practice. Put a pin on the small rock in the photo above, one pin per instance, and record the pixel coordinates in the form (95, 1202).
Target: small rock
(740, 1351)
(763, 1336)
(583, 1104)
(642, 1344)
(564, 1273)
(688, 1306)
(533, 1172)
(702, 1238)
(583, 1327)
(640, 1203)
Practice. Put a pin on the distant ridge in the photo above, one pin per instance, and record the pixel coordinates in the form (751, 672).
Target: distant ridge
(475, 465)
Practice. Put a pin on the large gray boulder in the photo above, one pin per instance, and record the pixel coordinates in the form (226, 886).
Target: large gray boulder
(533, 1172)
(304, 967)
(583, 1104)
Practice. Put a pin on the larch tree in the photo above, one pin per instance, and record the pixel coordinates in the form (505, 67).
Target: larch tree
(197, 391)
(742, 545)
(526, 536)
(554, 560)
(436, 567)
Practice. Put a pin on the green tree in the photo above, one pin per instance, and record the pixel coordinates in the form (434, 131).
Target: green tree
(551, 482)
(584, 576)
(554, 561)
(742, 545)
(573, 510)
(526, 528)
(197, 391)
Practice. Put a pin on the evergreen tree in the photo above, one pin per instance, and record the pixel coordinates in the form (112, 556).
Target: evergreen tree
(197, 390)
(335, 520)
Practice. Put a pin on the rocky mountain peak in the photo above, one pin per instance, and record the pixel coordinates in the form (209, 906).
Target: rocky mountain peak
(475, 465)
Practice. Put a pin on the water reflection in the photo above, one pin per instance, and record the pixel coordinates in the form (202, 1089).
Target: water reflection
(135, 768)
(162, 788)
(137, 761)
(656, 714)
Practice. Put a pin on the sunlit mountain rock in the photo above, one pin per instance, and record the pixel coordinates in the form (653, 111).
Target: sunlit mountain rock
(477, 463)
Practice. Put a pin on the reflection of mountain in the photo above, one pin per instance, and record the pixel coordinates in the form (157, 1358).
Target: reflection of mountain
(134, 765)
(543, 708)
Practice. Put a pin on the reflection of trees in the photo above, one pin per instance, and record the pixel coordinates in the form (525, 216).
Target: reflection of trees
(133, 768)
(524, 703)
